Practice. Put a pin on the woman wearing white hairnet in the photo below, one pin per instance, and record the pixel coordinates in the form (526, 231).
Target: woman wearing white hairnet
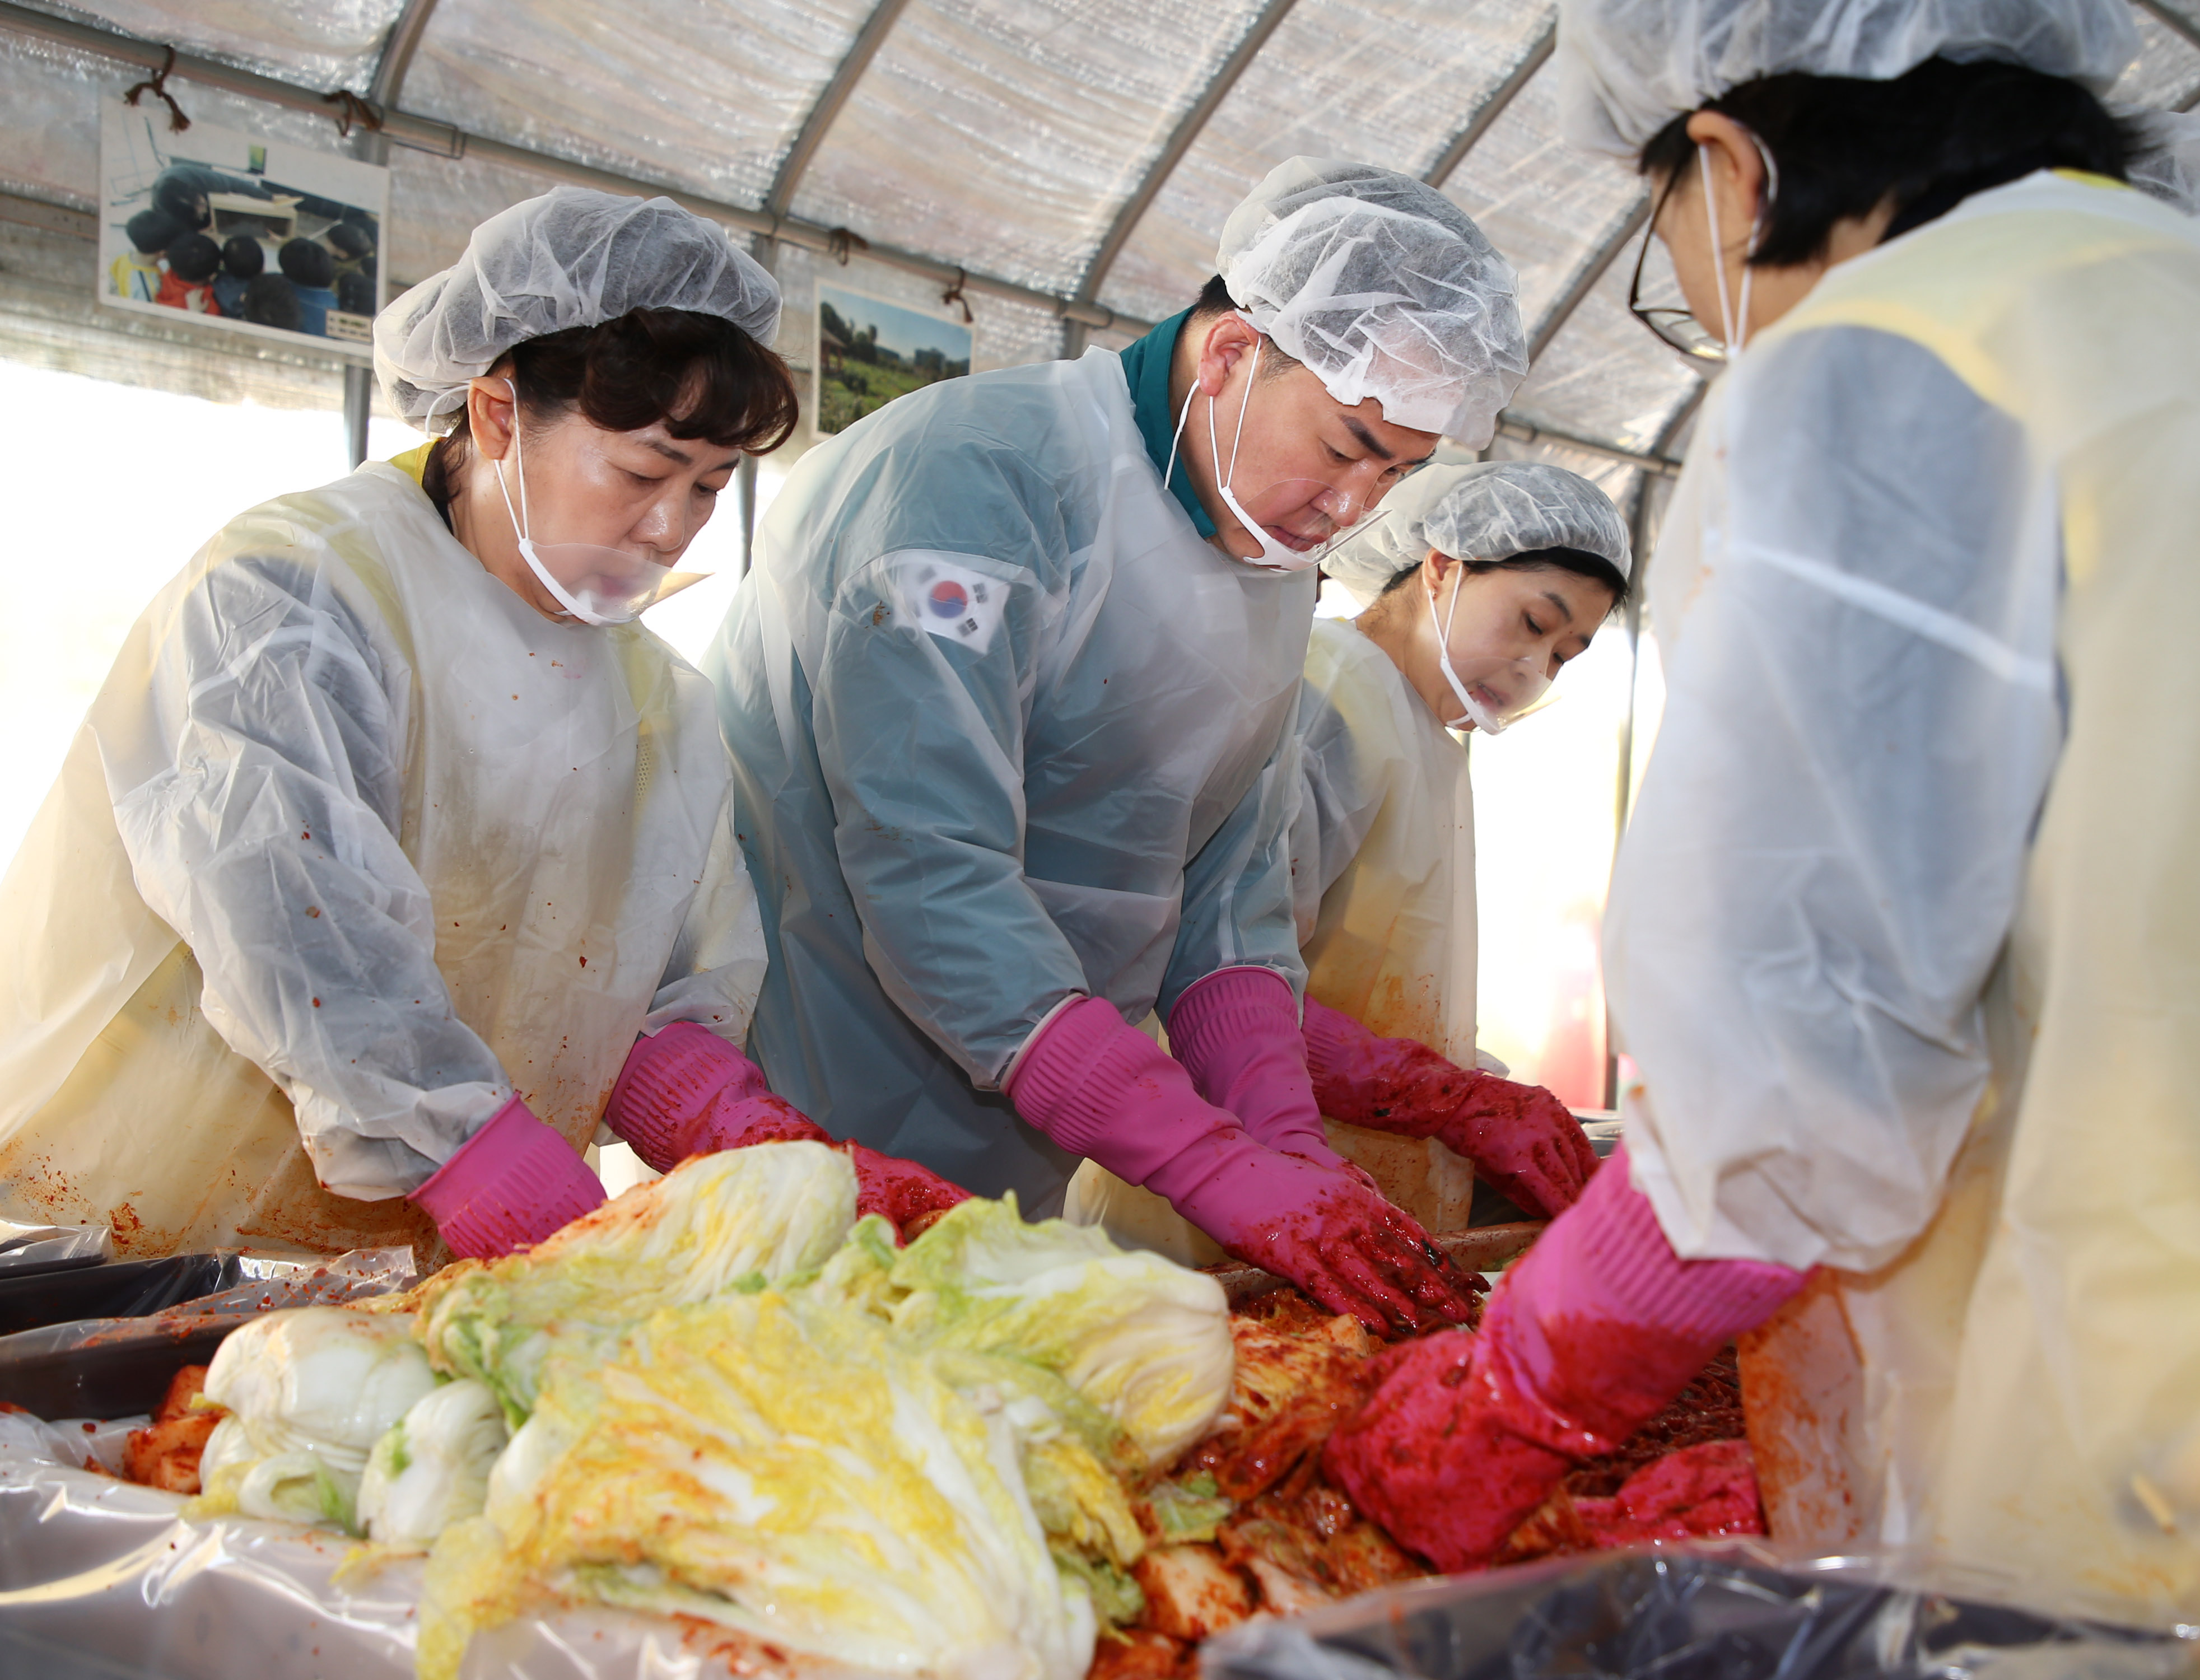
(1478, 584)
(1009, 695)
(391, 830)
(1903, 934)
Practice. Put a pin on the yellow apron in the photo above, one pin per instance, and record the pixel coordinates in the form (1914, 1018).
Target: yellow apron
(119, 1103)
(2018, 1393)
(1390, 943)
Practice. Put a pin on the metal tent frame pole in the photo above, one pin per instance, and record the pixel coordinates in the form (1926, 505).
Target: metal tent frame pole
(443, 139)
(1181, 139)
(390, 72)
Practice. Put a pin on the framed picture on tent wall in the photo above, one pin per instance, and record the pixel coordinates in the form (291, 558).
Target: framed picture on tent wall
(255, 237)
(870, 351)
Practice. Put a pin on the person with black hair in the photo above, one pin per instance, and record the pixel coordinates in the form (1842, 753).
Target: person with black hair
(243, 258)
(1903, 935)
(1035, 780)
(352, 245)
(194, 260)
(185, 192)
(272, 300)
(312, 272)
(137, 273)
(356, 293)
(1476, 586)
(381, 874)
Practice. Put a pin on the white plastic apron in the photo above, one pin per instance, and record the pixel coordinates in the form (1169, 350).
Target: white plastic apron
(1392, 937)
(955, 823)
(2018, 1393)
(562, 802)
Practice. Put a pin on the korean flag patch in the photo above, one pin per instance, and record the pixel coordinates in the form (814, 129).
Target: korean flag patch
(951, 601)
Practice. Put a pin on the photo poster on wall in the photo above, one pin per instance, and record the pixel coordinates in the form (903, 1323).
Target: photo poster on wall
(870, 352)
(262, 238)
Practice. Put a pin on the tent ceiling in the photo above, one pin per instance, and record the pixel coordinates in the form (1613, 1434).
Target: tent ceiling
(1075, 157)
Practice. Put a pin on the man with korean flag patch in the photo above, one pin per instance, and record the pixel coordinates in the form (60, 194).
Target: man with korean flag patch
(1009, 695)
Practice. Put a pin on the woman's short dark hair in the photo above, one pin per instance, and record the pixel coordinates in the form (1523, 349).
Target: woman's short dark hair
(1578, 561)
(243, 256)
(700, 375)
(1925, 140)
(193, 258)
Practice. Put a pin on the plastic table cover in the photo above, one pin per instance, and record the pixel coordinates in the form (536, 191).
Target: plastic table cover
(101, 1577)
(1722, 1610)
(23, 1247)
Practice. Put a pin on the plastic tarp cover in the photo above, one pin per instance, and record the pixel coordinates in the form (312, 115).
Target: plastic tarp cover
(705, 97)
(25, 1246)
(1340, 78)
(102, 1578)
(1720, 1610)
(320, 43)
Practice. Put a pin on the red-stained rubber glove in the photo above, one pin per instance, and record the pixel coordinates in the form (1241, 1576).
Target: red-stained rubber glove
(687, 1092)
(1586, 1339)
(511, 1184)
(1520, 1136)
(1237, 1033)
(906, 1192)
(1104, 1090)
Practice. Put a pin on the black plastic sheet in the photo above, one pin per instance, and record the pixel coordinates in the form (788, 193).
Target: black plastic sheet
(1723, 1611)
(120, 1363)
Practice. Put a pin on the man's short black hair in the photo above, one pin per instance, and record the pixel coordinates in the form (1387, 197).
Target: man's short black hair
(1925, 140)
(308, 263)
(1214, 299)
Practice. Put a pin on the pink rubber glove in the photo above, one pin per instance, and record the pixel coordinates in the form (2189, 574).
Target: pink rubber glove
(1520, 1136)
(1237, 1033)
(1104, 1090)
(687, 1092)
(1586, 1339)
(511, 1184)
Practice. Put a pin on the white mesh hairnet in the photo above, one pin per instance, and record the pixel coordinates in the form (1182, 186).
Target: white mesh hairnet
(2166, 161)
(1490, 510)
(1384, 288)
(573, 257)
(1627, 67)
